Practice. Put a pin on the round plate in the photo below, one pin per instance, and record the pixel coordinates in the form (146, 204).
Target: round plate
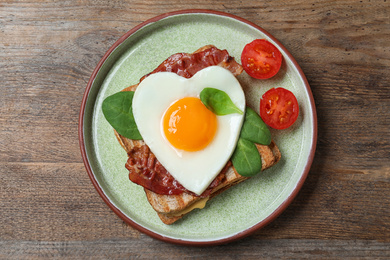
(243, 208)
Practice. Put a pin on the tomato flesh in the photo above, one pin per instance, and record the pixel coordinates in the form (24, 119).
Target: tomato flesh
(261, 59)
(279, 108)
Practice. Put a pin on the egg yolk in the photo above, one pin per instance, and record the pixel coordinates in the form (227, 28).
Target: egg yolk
(189, 125)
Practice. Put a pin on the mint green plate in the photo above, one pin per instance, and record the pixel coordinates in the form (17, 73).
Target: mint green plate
(242, 209)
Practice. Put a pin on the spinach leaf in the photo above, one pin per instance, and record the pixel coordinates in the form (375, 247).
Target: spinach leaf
(117, 109)
(246, 158)
(254, 129)
(218, 102)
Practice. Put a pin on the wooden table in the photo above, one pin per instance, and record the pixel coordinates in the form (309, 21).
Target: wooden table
(49, 208)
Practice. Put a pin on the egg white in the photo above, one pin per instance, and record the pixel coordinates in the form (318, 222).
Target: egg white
(194, 170)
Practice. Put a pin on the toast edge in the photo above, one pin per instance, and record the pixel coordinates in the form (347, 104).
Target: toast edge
(270, 156)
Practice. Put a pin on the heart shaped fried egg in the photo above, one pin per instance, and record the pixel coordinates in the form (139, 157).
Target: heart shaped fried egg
(189, 140)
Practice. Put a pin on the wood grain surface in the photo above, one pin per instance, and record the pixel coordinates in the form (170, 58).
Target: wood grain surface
(49, 208)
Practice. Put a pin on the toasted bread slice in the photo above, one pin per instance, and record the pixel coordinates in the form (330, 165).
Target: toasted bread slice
(171, 208)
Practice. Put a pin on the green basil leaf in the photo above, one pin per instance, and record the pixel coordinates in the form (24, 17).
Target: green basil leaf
(246, 158)
(218, 102)
(117, 109)
(254, 129)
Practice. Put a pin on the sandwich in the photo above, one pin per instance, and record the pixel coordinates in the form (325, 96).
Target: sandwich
(170, 198)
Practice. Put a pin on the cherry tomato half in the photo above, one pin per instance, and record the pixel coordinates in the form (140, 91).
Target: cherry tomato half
(279, 108)
(261, 59)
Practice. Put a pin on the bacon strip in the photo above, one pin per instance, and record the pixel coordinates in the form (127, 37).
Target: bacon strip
(188, 64)
(147, 171)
